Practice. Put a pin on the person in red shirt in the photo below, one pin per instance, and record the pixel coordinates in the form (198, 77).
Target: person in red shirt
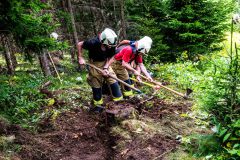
(127, 54)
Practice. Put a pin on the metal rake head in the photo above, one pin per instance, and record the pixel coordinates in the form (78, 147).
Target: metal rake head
(189, 91)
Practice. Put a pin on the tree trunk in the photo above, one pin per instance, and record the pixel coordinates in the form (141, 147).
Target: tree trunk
(123, 22)
(73, 25)
(8, 59)
(69, 36)
(44, 63)
(14, 60)
(114, 10)
(12, 50)
(93, 21)
(102, 12)
(64, 5)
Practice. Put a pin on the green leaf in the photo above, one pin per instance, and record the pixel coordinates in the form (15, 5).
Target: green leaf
(236, 145)
(237, 132)
(222, 132)
(226, 137)
(233, 151)
(234, 139)
(237, 124)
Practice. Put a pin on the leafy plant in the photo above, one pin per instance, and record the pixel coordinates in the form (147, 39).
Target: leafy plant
(31, 24)
(222, 101)
(228, 136)
(20, 97)
(65, 18)
(215, 81)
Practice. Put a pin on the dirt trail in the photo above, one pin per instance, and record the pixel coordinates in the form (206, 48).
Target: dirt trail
(77, 135)
(74, 135)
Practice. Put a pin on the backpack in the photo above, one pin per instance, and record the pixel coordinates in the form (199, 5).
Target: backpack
(134, 50)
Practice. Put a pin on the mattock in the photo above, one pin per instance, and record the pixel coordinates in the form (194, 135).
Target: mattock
(185, 96)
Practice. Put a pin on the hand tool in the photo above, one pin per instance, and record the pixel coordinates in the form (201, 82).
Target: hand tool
(186, 95)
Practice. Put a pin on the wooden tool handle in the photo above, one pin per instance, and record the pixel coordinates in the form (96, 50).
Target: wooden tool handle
(160, 84)
(145, 83)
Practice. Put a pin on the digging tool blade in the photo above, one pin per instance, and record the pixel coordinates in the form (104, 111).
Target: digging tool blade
(188, 92)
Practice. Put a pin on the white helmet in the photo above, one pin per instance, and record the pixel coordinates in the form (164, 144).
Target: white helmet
(108, 37)
(54, 35)
(144, 45)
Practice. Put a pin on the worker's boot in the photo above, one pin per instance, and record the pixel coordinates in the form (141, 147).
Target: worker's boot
(116, 93)
(128, 93)
(97, 100)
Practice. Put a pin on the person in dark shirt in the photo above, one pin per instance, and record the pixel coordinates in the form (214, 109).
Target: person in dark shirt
(100, 50)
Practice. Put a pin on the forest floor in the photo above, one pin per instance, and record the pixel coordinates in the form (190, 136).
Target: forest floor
(139, 129)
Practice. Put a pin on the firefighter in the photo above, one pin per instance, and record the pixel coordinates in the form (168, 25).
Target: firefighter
(125, 55)
(100, 50)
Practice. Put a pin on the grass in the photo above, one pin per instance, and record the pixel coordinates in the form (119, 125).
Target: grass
(180, 154)
(22, 101)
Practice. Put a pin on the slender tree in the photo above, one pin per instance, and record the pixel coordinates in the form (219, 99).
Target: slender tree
(73, 26)
(73, 21)
(123, 20)
(7, 55)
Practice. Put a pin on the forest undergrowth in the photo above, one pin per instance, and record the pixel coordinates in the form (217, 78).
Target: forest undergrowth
(40, 117)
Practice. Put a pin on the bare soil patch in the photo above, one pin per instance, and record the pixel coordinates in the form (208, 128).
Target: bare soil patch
(143, 131)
